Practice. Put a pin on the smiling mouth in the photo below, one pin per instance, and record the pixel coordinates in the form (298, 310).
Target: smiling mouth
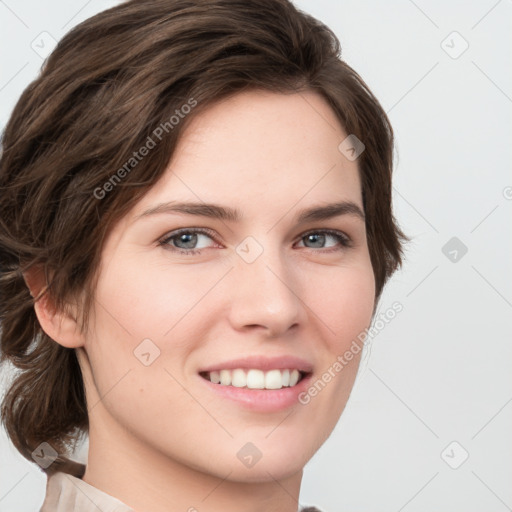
(255, 379)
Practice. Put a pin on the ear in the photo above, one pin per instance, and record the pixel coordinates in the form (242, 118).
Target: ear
(61, 326)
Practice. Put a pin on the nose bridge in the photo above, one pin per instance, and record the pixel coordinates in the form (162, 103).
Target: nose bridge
(264, 291)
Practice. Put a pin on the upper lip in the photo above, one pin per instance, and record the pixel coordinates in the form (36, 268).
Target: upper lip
(262, 363)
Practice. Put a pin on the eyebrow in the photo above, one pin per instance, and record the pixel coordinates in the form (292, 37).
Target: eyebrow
(225, 213)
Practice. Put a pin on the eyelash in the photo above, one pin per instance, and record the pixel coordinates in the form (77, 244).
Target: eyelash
(342, 238)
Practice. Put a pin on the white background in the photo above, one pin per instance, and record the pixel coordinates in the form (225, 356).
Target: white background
(440, 371)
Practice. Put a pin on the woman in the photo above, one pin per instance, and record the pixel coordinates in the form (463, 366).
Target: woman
(196, 228)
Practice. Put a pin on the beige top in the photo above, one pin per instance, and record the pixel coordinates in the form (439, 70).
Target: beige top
(67, 493)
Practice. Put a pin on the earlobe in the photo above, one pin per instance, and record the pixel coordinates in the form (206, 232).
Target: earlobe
(61, 326)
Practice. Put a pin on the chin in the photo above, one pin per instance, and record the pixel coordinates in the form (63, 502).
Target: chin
(272, 469)
(266, 459)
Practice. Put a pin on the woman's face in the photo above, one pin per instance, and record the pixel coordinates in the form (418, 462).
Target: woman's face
(267, 291)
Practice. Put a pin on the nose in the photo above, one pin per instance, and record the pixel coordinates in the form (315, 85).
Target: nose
(265, 295)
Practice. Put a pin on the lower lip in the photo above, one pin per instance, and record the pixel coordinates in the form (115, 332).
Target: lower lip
(261, 400)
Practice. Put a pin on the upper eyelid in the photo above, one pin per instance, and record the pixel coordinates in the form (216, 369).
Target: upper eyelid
(209, 232)
(176, 232)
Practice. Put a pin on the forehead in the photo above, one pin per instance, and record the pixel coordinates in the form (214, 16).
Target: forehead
(260, 152)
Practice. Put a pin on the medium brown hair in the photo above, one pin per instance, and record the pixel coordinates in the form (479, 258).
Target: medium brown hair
(108, 86)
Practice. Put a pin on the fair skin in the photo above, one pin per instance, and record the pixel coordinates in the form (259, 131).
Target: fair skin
(160, 438)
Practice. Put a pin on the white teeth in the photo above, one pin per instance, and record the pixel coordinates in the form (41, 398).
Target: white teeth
(273, 380)
(215, 377)
(294, 377)
(225, 377)
(255, 379)
(239, 379)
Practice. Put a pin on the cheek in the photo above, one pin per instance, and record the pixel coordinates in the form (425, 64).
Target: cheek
(151, 309)
(344, 301)
(149, 301)
(135, 308)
